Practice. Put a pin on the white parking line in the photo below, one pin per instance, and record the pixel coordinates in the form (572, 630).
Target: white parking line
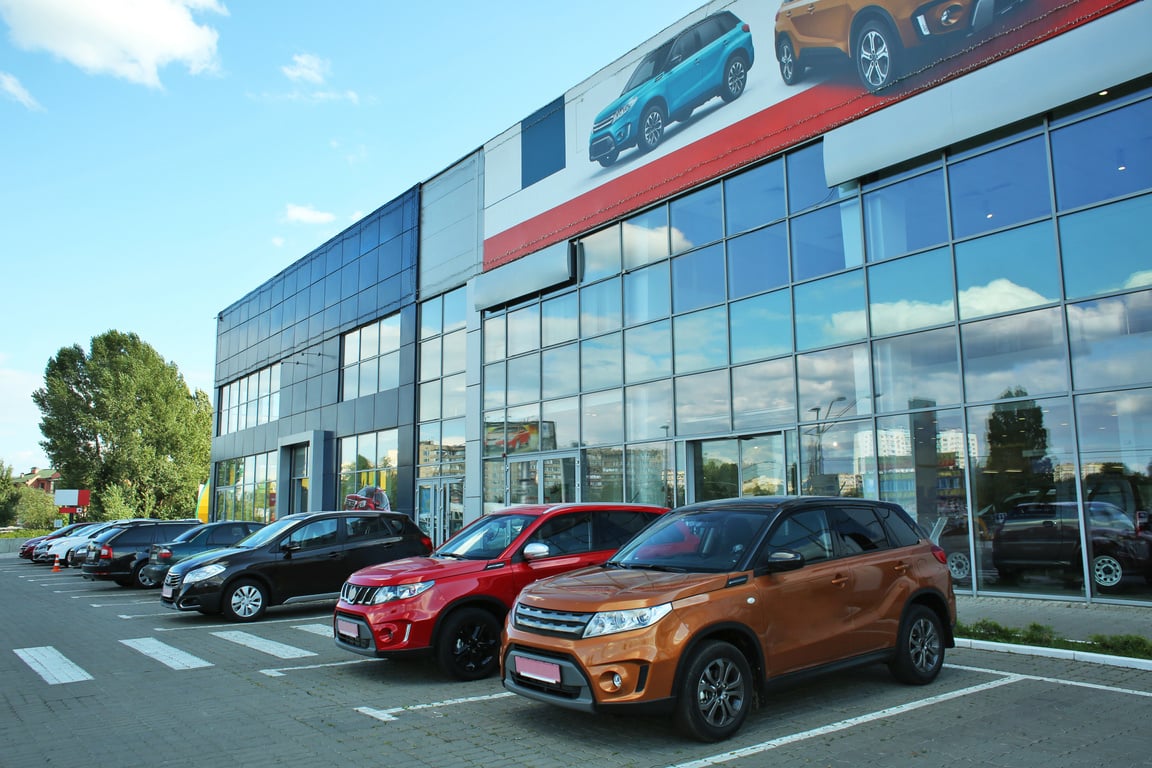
(52, 665)
(173, 658)
(851, 722)
(270, 647)
(1058, 681)
(282, 671)
(323, 630)
(388, 715)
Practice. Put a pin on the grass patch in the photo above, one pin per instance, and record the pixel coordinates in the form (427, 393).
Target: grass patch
(1041, 635)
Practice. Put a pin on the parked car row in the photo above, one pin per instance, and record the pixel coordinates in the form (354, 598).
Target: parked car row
(697, 611)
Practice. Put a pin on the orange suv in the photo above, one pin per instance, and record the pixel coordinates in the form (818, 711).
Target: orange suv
(716, 601)
(875, 34)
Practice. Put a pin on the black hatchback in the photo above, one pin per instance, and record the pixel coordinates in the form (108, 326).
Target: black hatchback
(298, 558)
(121, 552)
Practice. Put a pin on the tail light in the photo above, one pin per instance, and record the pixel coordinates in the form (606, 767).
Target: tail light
(106, 553)
(164, 553)
(939, 554)
(427, 542)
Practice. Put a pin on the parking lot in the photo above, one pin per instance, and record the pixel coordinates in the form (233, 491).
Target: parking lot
(96, 674)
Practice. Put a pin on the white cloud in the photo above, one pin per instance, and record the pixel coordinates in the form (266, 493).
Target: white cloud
(11, 87)
(278, 242)
(307, 68)
(306, 214)
(129, 39)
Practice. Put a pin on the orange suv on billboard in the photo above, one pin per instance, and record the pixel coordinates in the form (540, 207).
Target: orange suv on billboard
(717, 601)
(875, 34)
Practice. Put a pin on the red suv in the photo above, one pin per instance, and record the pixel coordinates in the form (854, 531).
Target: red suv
(454, 601)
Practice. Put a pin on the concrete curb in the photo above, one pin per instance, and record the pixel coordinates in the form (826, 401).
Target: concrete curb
(1056, 653)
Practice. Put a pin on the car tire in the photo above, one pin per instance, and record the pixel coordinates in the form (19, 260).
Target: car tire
(790, 69)
(69, 559)
(469, 644)
(609, 159)
(244, 600)
(960, 566)
(1107, 572)
(140, 581)
(876, 51)
(735, 78)
(716, 692)
(652, 125)
(919, 647)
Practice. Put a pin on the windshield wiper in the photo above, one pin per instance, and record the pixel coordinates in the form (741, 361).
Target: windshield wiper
(646, 567)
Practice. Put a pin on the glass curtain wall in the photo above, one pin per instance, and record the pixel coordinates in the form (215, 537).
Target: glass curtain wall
(369, 459)
(962, 334)
(246, 488)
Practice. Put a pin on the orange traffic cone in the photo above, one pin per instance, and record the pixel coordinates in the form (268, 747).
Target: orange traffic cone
(56, 565)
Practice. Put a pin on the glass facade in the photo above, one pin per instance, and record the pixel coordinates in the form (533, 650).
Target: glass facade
(961, 335)
(246, 488)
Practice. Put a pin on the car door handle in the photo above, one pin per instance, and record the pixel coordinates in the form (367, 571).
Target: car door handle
(335, 555)
(839, 581)
(900, 568)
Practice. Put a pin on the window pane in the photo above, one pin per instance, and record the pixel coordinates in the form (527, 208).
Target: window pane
(390, 334)
(806, 181)
(602, 418)
(453, 397)
(906, 217)
(647, 295)
(696, 219)
(698, 279)
(524, 329)
(524, 379)
(1109, 339)
(1104, 157)
(1015, 356)
(559, 319)
(523, 429)
(430, 400)
(827, 240)
(761, 326)
(838, 459)
(830, 311)
(431, 317)
(601, 363)
(494, 436)
(369, 341)
(920, 457)
(601, 254)
(917, 371)
(1106, 249)
(700, 340)
(912, 292)
(561, 419)
(455, 310)
(648, 408)
(757, 261)
(494, 346)
(645, 238)
(368, 377)
(754, 197)
(703, 403)
(561, 371)
(389, 371)
(648, 352)
(351, 347)
(494, 381)
(651, 472)
(1000, 188)
(834, 383)
(764, 394)
(600, 307)
(603, 474)
(1006, 271)
(454, 349)
(430, 359)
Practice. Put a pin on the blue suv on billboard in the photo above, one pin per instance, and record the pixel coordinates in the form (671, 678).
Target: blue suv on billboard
(710, 58)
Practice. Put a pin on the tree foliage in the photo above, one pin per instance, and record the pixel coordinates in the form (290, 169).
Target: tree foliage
(7, 495)
(34, 508)
(121, 417)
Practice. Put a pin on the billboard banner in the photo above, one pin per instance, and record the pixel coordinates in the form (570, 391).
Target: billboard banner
(734, 82)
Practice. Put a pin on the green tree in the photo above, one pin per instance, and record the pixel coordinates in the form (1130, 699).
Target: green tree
(7, 495)
(35, 508)
(120, 421)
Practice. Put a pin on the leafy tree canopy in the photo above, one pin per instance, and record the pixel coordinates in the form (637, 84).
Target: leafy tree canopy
(35, 509)
(7, 495)
(120, 421)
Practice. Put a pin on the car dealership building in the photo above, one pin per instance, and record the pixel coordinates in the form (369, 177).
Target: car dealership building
(785, 274)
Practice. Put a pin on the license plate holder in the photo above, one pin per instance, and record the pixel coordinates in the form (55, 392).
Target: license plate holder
(534, 669)
(348, 628)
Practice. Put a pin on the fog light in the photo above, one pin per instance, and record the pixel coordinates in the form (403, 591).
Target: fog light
(610, 682)
(951, 15)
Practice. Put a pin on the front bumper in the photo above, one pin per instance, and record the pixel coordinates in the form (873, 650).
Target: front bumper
(204, 596)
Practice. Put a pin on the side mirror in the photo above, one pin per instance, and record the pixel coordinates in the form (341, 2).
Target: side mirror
(536, 550)
(781, 560)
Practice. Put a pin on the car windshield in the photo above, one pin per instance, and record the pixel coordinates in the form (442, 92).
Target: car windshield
(648, 68)
(190, 534)
(268, 533)
(486, 538)
(701, 541)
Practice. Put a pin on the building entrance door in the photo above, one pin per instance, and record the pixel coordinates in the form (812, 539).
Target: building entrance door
(440, 507)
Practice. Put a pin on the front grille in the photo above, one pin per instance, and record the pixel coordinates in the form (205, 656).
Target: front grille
(354, 594)
(171, 580)
(548, 622)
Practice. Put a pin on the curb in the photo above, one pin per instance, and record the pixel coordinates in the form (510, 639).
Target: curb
(1056, 653)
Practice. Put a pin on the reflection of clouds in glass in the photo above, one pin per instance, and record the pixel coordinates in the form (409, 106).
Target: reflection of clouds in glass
(895, 316)
(680, 241)
(1001, 295)
(647, 240)
(1108, 338)
(1139, 279)
(844, 326)
(1024, 351)
(701, 340)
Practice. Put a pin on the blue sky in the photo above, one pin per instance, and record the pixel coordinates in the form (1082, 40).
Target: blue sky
(161, 158)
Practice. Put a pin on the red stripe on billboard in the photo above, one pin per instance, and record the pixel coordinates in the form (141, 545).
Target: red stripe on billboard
(802, 117)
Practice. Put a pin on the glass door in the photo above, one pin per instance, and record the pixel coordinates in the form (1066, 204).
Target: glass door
(550, 480)
(440, 507)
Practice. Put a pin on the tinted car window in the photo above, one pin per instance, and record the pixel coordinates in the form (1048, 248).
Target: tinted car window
(805, 532)
(371, 527)
(566, 534)
(135, 536)
(903, 530)
(612, 529)
(858, 530)
(321, 533)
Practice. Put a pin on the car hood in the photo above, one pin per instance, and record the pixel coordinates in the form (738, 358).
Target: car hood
(409, 570)
(205, 558)
(598, 588)
(614, 105)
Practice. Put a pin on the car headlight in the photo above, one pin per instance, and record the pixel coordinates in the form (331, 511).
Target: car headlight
(623, 109)
(200, 574)
(611, 622)
(400, 592)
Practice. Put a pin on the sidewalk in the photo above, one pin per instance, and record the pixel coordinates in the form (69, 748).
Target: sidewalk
(1068, 620)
